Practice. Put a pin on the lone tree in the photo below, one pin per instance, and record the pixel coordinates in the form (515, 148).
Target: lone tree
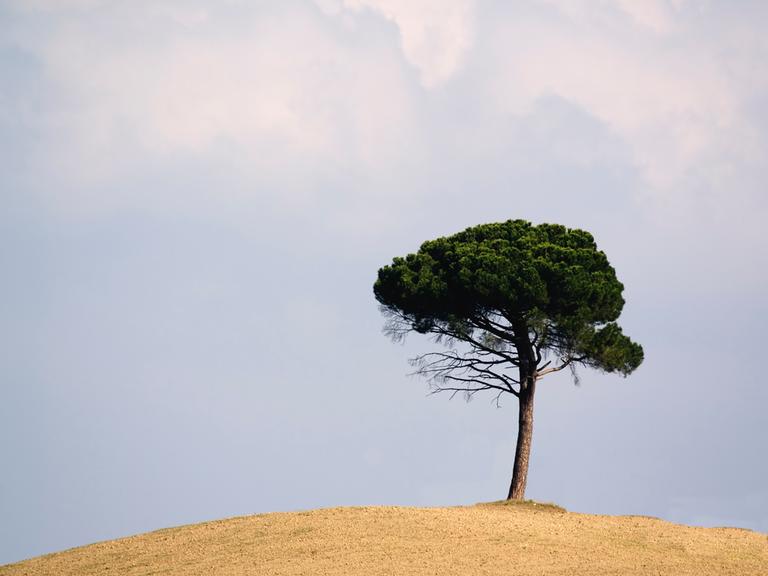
(511, 302)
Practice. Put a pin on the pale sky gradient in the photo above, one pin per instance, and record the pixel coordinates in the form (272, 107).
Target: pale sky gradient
(197, 195)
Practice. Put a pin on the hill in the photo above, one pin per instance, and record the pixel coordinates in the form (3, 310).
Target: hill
(516, 539)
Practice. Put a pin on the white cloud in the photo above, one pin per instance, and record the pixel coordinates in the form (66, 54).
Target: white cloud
(435, 34)
(55, 5)
(277, 85)
(676, 104)
(656, 15)
(307, 96)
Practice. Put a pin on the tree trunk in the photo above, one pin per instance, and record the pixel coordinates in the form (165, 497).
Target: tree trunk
(523, 449)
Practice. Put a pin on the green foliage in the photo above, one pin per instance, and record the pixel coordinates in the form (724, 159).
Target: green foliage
(546, 280)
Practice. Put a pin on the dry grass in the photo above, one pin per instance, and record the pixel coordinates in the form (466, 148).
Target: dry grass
(520, 539)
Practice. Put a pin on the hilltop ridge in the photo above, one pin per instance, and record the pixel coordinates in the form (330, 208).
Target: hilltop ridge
(483, 539)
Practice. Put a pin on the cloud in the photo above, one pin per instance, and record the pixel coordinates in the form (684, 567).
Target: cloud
(434, 34)
(656, 15)
(310, 104)
(676, 104)
(141, 87)
(55, 5)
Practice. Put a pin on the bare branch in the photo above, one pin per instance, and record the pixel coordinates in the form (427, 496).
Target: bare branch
(482, 368)
(500, 331)
(565, 363)
(452, 360)
(442, 367)
(485, 385)
(476, 344)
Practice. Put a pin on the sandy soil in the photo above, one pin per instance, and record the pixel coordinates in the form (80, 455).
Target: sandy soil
(483, 539)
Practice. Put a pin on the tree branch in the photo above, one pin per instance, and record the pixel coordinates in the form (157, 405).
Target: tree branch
(484, 385)
(480, 369)
(441, 366)
(566, 362)
(473, 342)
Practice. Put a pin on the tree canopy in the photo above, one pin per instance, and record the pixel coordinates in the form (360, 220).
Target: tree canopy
(550, 279)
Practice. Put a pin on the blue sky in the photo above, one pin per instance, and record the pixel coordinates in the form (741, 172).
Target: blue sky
(197, 196)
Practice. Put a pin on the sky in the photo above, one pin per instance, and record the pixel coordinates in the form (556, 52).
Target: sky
(196, 197)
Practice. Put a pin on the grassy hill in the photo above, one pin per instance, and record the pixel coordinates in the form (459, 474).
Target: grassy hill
(484, 539)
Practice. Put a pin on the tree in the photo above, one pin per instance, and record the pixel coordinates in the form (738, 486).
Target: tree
(511, 302)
